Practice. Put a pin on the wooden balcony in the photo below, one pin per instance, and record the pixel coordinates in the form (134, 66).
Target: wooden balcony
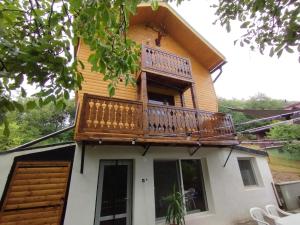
(164, 63)
(123, 120)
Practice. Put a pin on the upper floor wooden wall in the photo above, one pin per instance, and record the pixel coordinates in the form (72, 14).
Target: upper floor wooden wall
(94, 84)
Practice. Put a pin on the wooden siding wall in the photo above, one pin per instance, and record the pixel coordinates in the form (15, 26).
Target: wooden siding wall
(94, 83)
(36, 193)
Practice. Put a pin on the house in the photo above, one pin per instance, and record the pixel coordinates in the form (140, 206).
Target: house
(132, 149)
(294, 106)
(288, 115)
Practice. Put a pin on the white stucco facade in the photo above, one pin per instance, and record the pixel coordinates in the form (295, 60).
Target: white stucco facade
(228, 199)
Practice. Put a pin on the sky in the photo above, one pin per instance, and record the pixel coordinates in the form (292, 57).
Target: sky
(246, 72)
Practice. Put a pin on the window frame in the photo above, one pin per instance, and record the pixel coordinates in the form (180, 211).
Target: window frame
(181, 188)
(159, 99)
(255, 175)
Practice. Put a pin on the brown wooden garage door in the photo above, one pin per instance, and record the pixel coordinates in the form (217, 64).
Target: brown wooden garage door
(36, 194)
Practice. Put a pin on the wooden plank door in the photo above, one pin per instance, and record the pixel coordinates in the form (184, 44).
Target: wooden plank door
(36, 193)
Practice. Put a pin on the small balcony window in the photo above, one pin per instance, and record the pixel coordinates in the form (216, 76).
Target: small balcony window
(160, 99)
(247, 172)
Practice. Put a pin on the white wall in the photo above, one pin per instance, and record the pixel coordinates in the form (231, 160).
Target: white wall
(228, 200)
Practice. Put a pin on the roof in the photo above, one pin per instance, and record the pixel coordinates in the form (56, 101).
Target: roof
(293, 106)
(268, 127)
(250, 150)
(50, 146)
(261, 113)
(182, 32)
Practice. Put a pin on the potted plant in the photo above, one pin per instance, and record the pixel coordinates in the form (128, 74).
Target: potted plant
(175, 212)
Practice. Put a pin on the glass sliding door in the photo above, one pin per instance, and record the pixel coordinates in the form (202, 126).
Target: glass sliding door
(187, 177)
(194, 189)
(166, 176)
(114, 193)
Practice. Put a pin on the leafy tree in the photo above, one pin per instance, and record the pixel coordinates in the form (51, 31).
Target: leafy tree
(271, 25)
(37, 39)
(33, 124)
(261, 101)
(288, 132)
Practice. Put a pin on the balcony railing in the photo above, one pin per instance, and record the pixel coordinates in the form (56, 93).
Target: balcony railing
(110, 116)
(162, 62)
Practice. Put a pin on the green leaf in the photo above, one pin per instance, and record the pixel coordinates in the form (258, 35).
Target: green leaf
(6, 130)
(31, 104)
(111, 89)
(19, 106)
(279, 53)
(271, 52)
(154, 5)
(81, 64)
(245, 24)
(288, 49)
(228, 27)
(66, 95)
(23, 92)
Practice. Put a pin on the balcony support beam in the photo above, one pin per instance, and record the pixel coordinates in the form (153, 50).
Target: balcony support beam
(194, 96)
(195, 150)
(182, 99)
(144, 98)
(146, 149)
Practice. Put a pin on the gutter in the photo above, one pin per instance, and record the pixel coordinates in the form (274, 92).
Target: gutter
(218, 67)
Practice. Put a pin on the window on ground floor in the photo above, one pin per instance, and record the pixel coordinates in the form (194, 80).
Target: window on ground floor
(187, 177)
(247, 172)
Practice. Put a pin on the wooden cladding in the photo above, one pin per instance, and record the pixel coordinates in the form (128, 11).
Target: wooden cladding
(36, 194)
(101, 116)
(161, 62)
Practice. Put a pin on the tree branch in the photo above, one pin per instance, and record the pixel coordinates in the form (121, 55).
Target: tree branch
(51, 12)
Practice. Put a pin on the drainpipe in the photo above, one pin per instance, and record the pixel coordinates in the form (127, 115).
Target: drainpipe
(218, 67)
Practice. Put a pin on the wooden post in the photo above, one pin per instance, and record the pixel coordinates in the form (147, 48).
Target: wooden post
(144, 98)
(194, 96)
(182, 99)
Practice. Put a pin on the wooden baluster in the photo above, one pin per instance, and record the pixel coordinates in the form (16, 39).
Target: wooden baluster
(174, 120)
(198, 121)
(187, 119)
(174, 65)
(151, 119)
(126, 117)
(144, 98)
(157, 112)
(115, 111)
(102, 122)
(168, 122)
(153, 58)
(91, 105)
(121, 124)
(96, 116)
(165, 120)
(178, 123)
(108, 122)
(132, 117)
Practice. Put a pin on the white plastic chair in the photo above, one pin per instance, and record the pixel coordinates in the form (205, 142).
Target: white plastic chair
(275, 211)
(259, 215)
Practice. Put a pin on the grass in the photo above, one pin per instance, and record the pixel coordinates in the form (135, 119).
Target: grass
(284, 165)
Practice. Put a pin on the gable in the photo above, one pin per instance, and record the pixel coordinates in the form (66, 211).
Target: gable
(181, 32)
